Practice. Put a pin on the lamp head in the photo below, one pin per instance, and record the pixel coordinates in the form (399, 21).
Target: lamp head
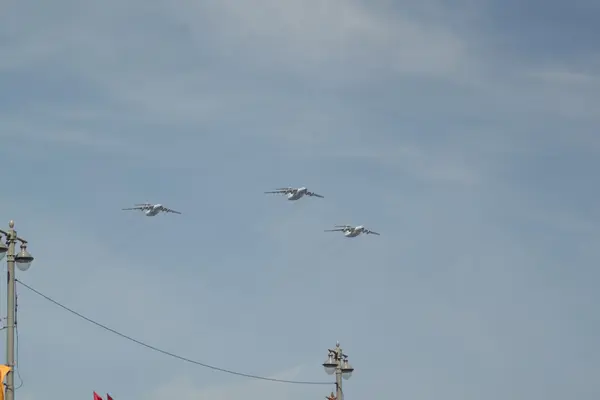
(330, 365)
(23, 259)
(347, 369)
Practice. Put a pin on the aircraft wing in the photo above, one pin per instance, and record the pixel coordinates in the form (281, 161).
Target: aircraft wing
(281, 190)
(136, 208)
(168, 210)
(315, 195)
(335, 230)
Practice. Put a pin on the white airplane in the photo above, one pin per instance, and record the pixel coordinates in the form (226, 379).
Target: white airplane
(294, 193)
(352, 231)
(152, 209)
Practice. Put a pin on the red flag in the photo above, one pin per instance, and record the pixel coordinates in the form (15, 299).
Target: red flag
(97, 396)
(108, 397)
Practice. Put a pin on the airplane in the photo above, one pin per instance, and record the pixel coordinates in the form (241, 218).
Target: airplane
(152, 209)
(294, 193)
(350, 231)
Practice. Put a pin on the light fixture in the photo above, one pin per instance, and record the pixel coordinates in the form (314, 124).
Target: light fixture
(330, 364)
(3, 248)
(24, 259)
(347, 370)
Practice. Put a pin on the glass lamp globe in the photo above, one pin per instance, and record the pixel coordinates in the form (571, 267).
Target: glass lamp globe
(23, 259)
(347, 370)
(330, 365)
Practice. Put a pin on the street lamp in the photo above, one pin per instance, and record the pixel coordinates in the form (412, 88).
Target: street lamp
(337, 362)
(23, 261)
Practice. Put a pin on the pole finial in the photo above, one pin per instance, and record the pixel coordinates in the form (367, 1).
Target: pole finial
(11, 224)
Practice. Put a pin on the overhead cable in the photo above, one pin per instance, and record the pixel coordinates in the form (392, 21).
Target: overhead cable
(167, 353)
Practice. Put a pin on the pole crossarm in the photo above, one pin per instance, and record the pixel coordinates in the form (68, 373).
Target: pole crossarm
(9, 236)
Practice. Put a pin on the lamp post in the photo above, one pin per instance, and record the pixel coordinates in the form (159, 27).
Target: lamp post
(23, 261)
(337, 362)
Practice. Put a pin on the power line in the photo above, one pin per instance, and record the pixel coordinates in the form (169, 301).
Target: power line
(227, 371)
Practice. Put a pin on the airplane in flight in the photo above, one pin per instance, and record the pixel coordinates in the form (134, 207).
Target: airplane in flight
(294, 193)
(152, 209)
(352, 231)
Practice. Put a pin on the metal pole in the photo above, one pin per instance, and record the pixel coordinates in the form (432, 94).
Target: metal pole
(338, 376)
(339, 356)
(10, 313)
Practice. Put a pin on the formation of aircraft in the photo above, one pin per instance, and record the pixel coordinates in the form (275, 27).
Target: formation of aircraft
(297, 193)
(151, 210)
(294, 193)
(291, 193)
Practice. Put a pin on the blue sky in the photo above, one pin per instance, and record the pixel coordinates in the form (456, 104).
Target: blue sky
(467, 134)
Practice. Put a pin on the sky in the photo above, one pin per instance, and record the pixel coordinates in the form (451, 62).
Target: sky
(465, 133)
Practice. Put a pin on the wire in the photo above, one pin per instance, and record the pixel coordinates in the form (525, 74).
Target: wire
(17, 365)
(167, 353)
(4, 270)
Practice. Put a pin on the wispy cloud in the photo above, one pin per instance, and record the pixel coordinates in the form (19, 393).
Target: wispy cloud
(334, 40)
(171, 83)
